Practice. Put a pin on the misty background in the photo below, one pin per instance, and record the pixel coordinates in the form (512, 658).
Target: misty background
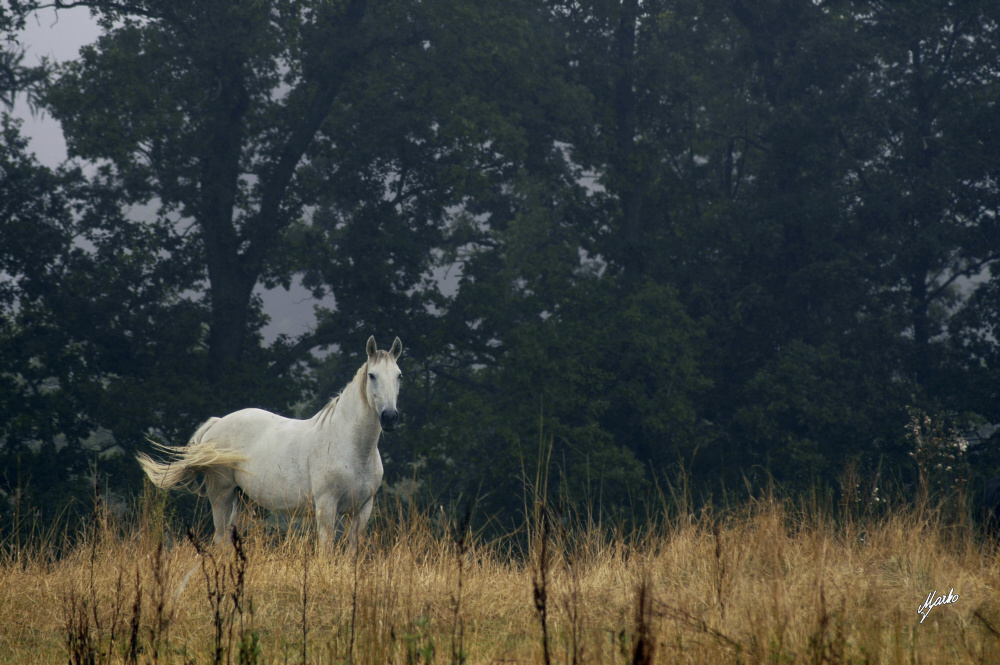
(58, 35)
(638, 245)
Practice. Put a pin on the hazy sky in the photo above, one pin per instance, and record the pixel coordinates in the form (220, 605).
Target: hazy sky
(59, 37)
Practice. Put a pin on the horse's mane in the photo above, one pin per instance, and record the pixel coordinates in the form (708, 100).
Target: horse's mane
(327, 411)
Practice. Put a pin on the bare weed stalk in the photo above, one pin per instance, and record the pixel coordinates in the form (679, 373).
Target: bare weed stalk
(354, 605)
(572, 561)
(540, 582)
(457, 623)
(81, 643)
(226, 590)
(132, 653)
(162, 614)
(644, 643)
(827, 643)
(720, 569)
(305, 596)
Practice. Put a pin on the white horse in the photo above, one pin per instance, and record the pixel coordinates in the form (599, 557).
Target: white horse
(329, 463)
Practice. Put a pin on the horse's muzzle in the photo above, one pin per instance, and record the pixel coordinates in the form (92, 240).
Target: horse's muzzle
(388, 419)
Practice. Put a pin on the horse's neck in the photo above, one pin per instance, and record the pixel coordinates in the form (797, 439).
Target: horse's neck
(360, 422)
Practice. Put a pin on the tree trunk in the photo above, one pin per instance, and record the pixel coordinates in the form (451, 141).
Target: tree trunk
(230, 286)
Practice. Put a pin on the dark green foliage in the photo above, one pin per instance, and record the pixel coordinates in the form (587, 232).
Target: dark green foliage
(616, 239)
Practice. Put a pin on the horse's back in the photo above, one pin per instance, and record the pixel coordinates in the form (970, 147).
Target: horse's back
(244, 427)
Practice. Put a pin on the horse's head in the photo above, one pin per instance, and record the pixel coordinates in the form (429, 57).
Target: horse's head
(383, 382)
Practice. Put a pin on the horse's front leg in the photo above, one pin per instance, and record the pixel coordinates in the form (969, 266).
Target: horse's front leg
(326, 519)
(360, 520)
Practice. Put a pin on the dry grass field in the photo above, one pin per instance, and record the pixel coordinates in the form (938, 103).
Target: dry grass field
(770, 582)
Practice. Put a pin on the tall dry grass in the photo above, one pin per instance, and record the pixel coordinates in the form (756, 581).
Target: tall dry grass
(768, 582)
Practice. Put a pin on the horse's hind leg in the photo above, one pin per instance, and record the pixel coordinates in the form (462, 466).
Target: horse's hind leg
(221, 490)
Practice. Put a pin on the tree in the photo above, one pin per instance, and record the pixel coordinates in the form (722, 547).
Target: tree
(331, 141)
(926, 170)
(646, 233)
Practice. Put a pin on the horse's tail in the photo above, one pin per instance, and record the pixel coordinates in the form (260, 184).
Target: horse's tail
(197, 456)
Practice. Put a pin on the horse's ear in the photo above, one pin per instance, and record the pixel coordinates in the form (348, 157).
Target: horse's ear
(370, 347)
(397, 348)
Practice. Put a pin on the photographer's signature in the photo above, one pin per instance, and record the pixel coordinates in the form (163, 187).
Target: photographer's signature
(933, 602)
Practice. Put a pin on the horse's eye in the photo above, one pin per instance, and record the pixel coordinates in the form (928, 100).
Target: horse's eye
(371, 376)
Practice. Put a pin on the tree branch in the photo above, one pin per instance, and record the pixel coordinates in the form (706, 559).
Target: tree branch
(323, 335)
(121, 7)
(264, 228)
(966, 272)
